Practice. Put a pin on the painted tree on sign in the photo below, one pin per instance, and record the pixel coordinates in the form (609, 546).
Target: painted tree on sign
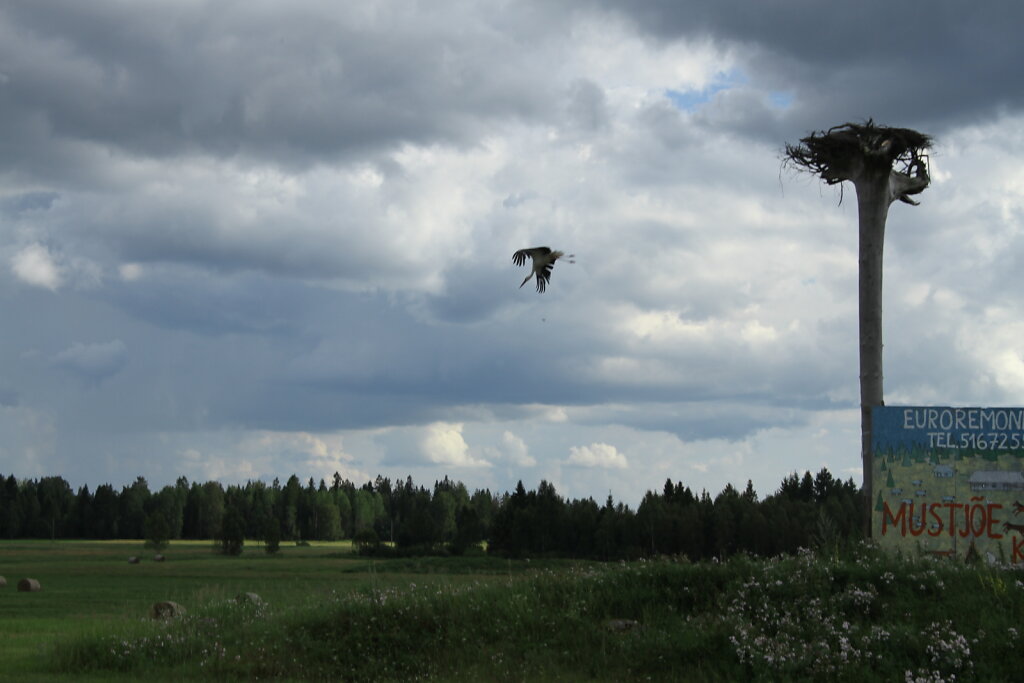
(884, 164)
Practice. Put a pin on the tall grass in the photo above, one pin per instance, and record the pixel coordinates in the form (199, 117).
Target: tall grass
(860, 616)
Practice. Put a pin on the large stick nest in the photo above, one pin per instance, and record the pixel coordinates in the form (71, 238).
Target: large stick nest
(833, 154)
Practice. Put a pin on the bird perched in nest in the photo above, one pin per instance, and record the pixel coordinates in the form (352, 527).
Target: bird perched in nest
(543, 261)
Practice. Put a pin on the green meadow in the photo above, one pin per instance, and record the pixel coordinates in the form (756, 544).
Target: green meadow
(90, 589)
(843, 614)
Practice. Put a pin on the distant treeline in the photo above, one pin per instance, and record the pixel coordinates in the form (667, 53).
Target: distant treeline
(382, 516)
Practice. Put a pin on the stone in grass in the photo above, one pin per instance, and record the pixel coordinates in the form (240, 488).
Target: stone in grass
(621, 625)
(159, 558)
(29, 586)
(133, 560)
(3, 582)
(248, 599)
(166, 610)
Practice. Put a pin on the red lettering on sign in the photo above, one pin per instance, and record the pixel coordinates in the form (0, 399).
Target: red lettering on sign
(953, 507)
(936, 526)
(900, 519)
(992, 521)
(978, 519)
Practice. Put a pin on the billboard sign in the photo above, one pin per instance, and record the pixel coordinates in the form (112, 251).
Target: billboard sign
(948, 478)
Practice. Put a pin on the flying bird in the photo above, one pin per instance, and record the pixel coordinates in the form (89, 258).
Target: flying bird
(543, 261)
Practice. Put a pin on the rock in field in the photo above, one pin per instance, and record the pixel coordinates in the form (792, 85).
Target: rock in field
(166, 610)
(248, 598)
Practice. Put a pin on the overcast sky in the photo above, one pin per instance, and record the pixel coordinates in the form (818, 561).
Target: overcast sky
(243, 240)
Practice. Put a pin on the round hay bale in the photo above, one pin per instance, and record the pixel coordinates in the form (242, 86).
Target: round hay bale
(159, 558)
(166, 610)
(29, 586)
(249, 598)
(133, 560)
(3, 582)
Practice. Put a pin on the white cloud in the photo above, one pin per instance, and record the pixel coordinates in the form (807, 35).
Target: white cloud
(35, 265)
(444, 444)
(548, 412)
(635, 70)
(307, 453)
(516, 450)
(600, 455)
(225, 467)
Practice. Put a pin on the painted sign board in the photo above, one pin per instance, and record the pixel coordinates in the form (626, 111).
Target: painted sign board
(947, 478)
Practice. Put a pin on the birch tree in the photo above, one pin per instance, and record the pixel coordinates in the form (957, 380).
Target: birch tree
(884, 164)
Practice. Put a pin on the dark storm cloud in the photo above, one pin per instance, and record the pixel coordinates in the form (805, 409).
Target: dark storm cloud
(932, 64)
(472, 294)
(296, 84)
(199, 303)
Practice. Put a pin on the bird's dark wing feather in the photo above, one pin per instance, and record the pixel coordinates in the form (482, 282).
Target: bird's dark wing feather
(543, 278)
(519, 258)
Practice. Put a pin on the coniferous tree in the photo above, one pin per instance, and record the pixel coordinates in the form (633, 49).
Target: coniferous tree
(271, 535)
(232, 533)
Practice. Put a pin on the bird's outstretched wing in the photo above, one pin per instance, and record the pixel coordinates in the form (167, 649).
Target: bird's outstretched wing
(519, 258)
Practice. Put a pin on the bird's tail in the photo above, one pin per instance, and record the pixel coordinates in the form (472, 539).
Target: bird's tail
(556, 255)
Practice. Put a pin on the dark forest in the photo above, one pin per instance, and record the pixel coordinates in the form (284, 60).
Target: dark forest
(401, 518)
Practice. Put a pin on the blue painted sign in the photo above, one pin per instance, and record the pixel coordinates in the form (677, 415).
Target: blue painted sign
(948, 429)
(946, 479)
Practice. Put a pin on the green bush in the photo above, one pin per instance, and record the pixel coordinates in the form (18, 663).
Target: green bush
(233, 533)
(272, 536)
(157, 531)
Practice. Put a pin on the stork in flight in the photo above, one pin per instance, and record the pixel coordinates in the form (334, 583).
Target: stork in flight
(543, 261)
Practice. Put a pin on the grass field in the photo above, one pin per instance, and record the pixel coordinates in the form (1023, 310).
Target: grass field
(88, 587)
(860, 615)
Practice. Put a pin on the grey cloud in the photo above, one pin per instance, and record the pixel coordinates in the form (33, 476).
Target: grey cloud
(518, 198)
(209, 227)
(93, 361)
(294, 85)
(9, 398)
(711, 419)
(586, 106)
(192, 300)
(745, 110)
(473, 293)
(27, 202)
